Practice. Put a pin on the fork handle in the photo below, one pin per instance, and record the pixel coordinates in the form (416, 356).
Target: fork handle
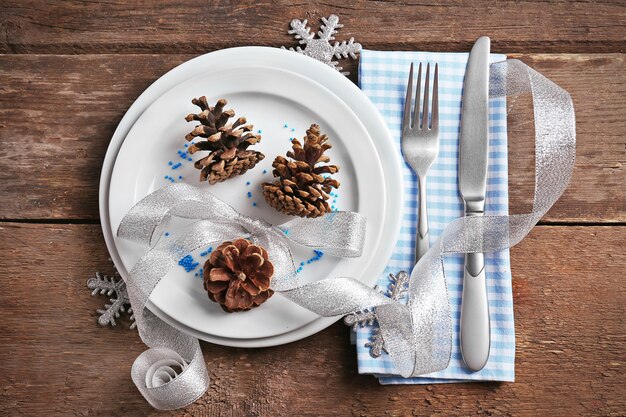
(422, 242)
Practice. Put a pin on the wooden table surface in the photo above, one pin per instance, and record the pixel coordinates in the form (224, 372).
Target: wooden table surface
(68, 72)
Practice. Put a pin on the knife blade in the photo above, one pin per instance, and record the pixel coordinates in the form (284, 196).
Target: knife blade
(473, 154)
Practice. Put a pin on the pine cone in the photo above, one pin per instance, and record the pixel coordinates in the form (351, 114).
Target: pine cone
(238, 275)
(300, 189)
(228, 143)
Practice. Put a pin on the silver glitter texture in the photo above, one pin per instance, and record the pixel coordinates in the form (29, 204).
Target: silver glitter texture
(109, 285)
(172, 373)
(321, 48)
(396, 290)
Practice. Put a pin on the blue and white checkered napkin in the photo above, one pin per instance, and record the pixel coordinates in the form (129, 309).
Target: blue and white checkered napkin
(383, 77)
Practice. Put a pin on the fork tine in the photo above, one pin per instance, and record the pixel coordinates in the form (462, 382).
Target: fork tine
(406, 118)
(435, 120)
(416, 110)
(426, 89)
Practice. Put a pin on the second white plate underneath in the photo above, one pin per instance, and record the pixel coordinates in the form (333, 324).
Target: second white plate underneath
(281, 104)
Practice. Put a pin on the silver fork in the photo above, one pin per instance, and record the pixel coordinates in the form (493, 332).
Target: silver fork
(420, 144)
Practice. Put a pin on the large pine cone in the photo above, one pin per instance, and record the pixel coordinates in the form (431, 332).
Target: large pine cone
(301, 189)
(238, 276)
(228, 143)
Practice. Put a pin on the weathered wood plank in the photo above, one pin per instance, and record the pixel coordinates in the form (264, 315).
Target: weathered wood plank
(196, 26)
(58, 113)
(569, 310)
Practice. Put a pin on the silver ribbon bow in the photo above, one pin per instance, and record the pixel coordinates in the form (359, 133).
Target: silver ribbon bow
(172, 373)
(417, 335)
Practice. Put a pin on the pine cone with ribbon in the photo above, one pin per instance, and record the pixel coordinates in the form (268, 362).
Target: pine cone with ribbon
(238, 275)
(227, 143)
(301, 189)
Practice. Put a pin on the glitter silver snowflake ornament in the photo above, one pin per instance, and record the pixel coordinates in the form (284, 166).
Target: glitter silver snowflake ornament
(321, 48)
(396, 290)
(120, 303)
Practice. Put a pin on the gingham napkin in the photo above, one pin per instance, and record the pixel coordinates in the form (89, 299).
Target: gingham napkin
(383, 77)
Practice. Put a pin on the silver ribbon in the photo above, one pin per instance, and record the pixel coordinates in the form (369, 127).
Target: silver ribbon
(417, 335)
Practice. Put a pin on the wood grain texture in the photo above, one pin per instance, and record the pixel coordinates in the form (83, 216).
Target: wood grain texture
(58, 113)
(569, 311)
(198, 26)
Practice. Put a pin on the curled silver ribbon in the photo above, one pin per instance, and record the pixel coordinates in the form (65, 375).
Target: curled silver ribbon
(417, 335)
(172, 373)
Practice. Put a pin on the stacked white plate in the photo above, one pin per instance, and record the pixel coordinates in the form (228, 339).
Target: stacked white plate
(282, 93)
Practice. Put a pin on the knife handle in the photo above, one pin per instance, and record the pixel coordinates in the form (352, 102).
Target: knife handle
(475, 328)
(422, 240)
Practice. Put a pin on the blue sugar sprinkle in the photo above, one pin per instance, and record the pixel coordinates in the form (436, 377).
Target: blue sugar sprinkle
(253, 204)
(248, 183)
(188, 263)
(196, 274)
(167, 177)
(249, 194)
(293, 130)
(170, 163)
(286, 125)
(167, 234)
(178, 165)
(186, 146)
(265, 171)
(259, 131)
(180, 177)
(190, 159)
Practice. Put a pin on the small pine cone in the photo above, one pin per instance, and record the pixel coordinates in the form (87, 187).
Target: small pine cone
(238, 275)
(227, 143)
(301, 189)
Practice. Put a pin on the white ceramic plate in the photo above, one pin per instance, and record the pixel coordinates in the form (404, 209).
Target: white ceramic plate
(305, 66)
(282, 105)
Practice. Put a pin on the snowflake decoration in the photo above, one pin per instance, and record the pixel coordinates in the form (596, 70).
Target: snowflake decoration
(321, 48)
(396, 290)
(105, 284)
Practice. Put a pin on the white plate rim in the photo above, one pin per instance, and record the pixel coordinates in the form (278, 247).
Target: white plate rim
(333, 80)
(335, 114)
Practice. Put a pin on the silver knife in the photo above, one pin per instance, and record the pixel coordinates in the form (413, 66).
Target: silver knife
(473, 153)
